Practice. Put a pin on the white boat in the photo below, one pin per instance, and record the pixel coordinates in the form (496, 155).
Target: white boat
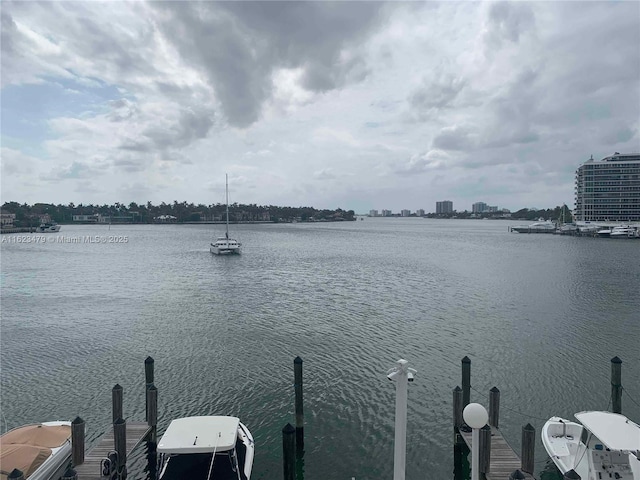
(207, 448)
(225, 245)
(41, 451)
(623, 231)
(537, 227)
(604, 232)
(603, 445)
(48, 227)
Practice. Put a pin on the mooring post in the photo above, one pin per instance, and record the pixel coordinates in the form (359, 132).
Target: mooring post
(148, 375)
(77, 441)
(16, 475)
(297, 374)
(120, 441)
(485, 449)
(517, 475)
(69, 474)
(494, 407)
(457, 408)
(288, 451)
(152, 410)
(528, 447)
(616, 385)
(116, 402)
(466, 381)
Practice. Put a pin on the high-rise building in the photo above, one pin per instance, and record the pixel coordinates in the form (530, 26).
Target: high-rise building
(479, 207)
(445, 206)
(386, 213)
(405, 213)
(609, 189)
(373, 213)
(420, 212)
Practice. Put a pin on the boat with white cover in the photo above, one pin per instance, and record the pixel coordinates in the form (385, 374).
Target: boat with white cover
(623, 231)
(206, 448)
(603, 445)
(225, 245)
(40, 451)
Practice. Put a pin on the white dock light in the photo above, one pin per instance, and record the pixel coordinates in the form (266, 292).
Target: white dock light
(476, 416)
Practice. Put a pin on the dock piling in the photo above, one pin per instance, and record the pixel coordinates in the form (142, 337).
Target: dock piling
(616, 385)
(457, 408)
(120, 442)
(466, 381)
(485, 449)
(288, 450)
(528, 447)
(297, 374)
(571, 475)
(494, 407)
(152, 411)
(148, 375)
(77, 441)
(116, 402)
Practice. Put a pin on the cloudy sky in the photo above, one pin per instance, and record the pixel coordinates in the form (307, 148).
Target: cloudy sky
(350, 105)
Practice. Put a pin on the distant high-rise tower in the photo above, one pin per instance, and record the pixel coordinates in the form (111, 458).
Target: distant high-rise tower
(609, 189)
(479, 207)
(445, 206)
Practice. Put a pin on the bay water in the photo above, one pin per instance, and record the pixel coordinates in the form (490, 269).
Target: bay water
(540, 317)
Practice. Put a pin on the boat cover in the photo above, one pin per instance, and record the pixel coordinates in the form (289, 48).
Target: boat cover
(204, 434)
(26, 458)
(615, 431)
(50, 436)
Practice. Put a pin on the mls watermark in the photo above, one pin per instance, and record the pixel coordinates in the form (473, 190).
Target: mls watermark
(84, 239)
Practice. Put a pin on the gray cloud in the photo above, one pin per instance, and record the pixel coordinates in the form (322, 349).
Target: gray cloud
(508, 21)
(240, 44)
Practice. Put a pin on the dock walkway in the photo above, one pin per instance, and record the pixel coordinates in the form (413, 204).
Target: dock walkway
(504, 460)
(90, 469)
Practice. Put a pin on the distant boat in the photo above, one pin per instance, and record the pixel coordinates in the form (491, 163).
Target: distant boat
(538, 227)
(225, 245)
(623, 231)
(206, 447)
(41, 451)
(606, 445)
(48, 227)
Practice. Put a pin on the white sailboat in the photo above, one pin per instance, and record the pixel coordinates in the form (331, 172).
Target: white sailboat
(225, 245)
(603, 445)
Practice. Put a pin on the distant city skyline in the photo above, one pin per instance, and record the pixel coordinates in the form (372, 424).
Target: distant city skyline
(363, 105)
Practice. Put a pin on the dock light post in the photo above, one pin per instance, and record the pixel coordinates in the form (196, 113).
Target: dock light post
(401, 374)
(476, 416)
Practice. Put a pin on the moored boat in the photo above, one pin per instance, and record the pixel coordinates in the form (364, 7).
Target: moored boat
(48, 227)
(602, 445)
(206, 448)
(41, 451)
(225, 245)
(537, 227)
(623, 231)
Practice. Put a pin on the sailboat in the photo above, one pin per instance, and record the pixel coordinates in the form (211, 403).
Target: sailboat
(225, 245)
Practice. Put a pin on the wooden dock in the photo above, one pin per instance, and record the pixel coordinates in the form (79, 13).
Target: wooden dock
(504, 460)
(90, 469)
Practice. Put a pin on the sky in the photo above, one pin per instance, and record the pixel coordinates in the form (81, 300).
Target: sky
(351, 105)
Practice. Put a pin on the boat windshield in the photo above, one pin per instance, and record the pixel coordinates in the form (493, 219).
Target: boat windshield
(197, 466)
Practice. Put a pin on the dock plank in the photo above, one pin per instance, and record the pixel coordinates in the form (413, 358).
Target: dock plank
(90, 469)
(504, 461)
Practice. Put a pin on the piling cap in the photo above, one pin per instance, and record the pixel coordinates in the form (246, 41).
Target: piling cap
(288, 428)
(466, 359)
(517, 475)
(495, 390)
(117, 387)
(297, 360)
(15, 473)
(528, 427)
(77, 421)
(148, 360)
(616, 359)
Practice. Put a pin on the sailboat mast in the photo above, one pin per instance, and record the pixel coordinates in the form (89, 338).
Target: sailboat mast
(226, 187)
